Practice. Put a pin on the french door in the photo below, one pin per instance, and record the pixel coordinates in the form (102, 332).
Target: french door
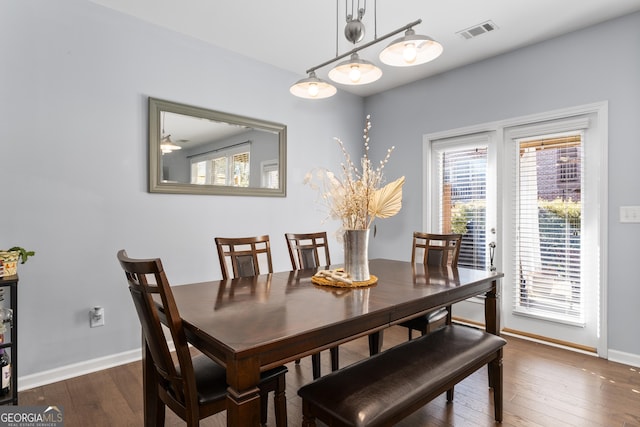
(529, 198)
(463, 201)
(552, 286)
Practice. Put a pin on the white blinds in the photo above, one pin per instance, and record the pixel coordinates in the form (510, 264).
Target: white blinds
(548, 216)
(463, 183)
(240, 173)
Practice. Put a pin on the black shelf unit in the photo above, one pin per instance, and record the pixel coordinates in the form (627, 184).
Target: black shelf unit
(11, 283)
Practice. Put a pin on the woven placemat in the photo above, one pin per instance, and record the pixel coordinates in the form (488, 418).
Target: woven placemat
(323, 281)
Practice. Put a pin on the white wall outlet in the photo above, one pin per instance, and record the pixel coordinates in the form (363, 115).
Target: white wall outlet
(96, 317)
(629, 213)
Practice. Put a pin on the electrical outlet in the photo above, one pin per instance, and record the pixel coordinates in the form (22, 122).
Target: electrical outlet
(96, 317)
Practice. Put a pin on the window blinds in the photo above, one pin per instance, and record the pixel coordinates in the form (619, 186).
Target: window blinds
(548, 215)
(463, 182)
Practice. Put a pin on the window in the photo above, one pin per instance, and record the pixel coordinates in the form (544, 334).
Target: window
(463, 189)
(240, 173)
(270, 174)
(460, 174)
(548, 223)
(225, 166)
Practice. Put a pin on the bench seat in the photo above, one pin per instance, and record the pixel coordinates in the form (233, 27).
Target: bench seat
(383, 389)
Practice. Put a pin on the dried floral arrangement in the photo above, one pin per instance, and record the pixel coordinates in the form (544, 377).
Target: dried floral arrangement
(358, 196)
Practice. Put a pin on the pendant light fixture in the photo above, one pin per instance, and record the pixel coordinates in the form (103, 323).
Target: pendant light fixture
(406, 51)
(355, 71)
(411, 50)
(312, 88)
(166, 145)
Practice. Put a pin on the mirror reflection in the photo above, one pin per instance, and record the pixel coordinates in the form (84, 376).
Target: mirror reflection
(199, 151)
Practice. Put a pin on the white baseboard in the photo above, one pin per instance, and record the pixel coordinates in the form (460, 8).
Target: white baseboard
(81, 368)
(76, 369)
(625, 358)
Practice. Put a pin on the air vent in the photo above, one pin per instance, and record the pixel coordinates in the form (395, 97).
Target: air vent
(478, 30)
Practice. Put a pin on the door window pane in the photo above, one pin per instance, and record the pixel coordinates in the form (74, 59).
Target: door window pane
(549, 223)
(463, 184)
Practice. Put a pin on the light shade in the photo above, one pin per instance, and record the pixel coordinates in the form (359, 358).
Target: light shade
(167, 146)
(355, 71)
(312, 88)
(411, 49)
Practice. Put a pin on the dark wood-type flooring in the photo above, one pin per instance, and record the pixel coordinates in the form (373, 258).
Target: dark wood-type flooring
(543, 386)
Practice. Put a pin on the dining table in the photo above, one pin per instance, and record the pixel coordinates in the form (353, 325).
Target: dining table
(252, 324)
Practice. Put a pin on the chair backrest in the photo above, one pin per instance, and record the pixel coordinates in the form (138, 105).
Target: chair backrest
(438, 249)
(147, 278)
(305, 248)
(244, 254)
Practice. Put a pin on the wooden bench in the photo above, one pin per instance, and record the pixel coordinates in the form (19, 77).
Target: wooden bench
(385, 388)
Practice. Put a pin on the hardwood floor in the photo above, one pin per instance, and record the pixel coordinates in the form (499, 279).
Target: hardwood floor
(543, 386)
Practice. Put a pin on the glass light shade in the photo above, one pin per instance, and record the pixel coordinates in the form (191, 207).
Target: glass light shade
(411, 49)
(167, 146)
(312, 88)
(355, 71)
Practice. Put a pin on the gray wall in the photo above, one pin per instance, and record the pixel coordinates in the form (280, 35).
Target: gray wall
(601, 63)
(73, 166)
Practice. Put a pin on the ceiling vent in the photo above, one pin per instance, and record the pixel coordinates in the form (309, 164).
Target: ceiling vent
(478, 30)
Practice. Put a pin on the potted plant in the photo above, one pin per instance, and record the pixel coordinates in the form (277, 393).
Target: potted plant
(9, 260)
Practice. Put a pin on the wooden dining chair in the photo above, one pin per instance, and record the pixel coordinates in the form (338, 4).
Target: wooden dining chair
(196, 386)
(304, 252)
(305, 249)
(244, 254)
(435, 249)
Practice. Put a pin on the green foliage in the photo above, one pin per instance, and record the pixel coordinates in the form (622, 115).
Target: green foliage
(459, 219)
(24, 254)
(566, 209)
(461, 214)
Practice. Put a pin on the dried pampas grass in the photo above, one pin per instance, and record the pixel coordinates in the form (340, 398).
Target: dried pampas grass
(357, 199)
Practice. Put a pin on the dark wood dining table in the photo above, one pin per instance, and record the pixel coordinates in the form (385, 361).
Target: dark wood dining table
(256, 323)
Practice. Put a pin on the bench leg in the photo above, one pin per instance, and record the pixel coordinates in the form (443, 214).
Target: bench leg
(495, 382)
(308, 419)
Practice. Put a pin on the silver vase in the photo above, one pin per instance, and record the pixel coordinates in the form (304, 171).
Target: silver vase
(356, 256)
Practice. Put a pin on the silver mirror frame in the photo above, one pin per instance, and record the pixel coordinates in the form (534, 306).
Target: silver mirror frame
(156, 106)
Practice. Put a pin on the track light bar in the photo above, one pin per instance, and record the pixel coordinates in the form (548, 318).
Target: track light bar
(364, 46)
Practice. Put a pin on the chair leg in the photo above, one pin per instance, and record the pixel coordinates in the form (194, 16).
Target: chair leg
(264, 401)
(495, 379)
(308, 419)
(410, 333)
(160, 412)
(297, 361)
(450, 395)
(280, 403)
(335, 365)
(375, 342)
(315, 364)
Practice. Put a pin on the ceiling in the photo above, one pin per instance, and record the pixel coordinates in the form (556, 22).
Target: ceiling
(296, 35)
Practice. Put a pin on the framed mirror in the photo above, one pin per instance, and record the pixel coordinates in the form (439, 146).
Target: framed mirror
(194, 150)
